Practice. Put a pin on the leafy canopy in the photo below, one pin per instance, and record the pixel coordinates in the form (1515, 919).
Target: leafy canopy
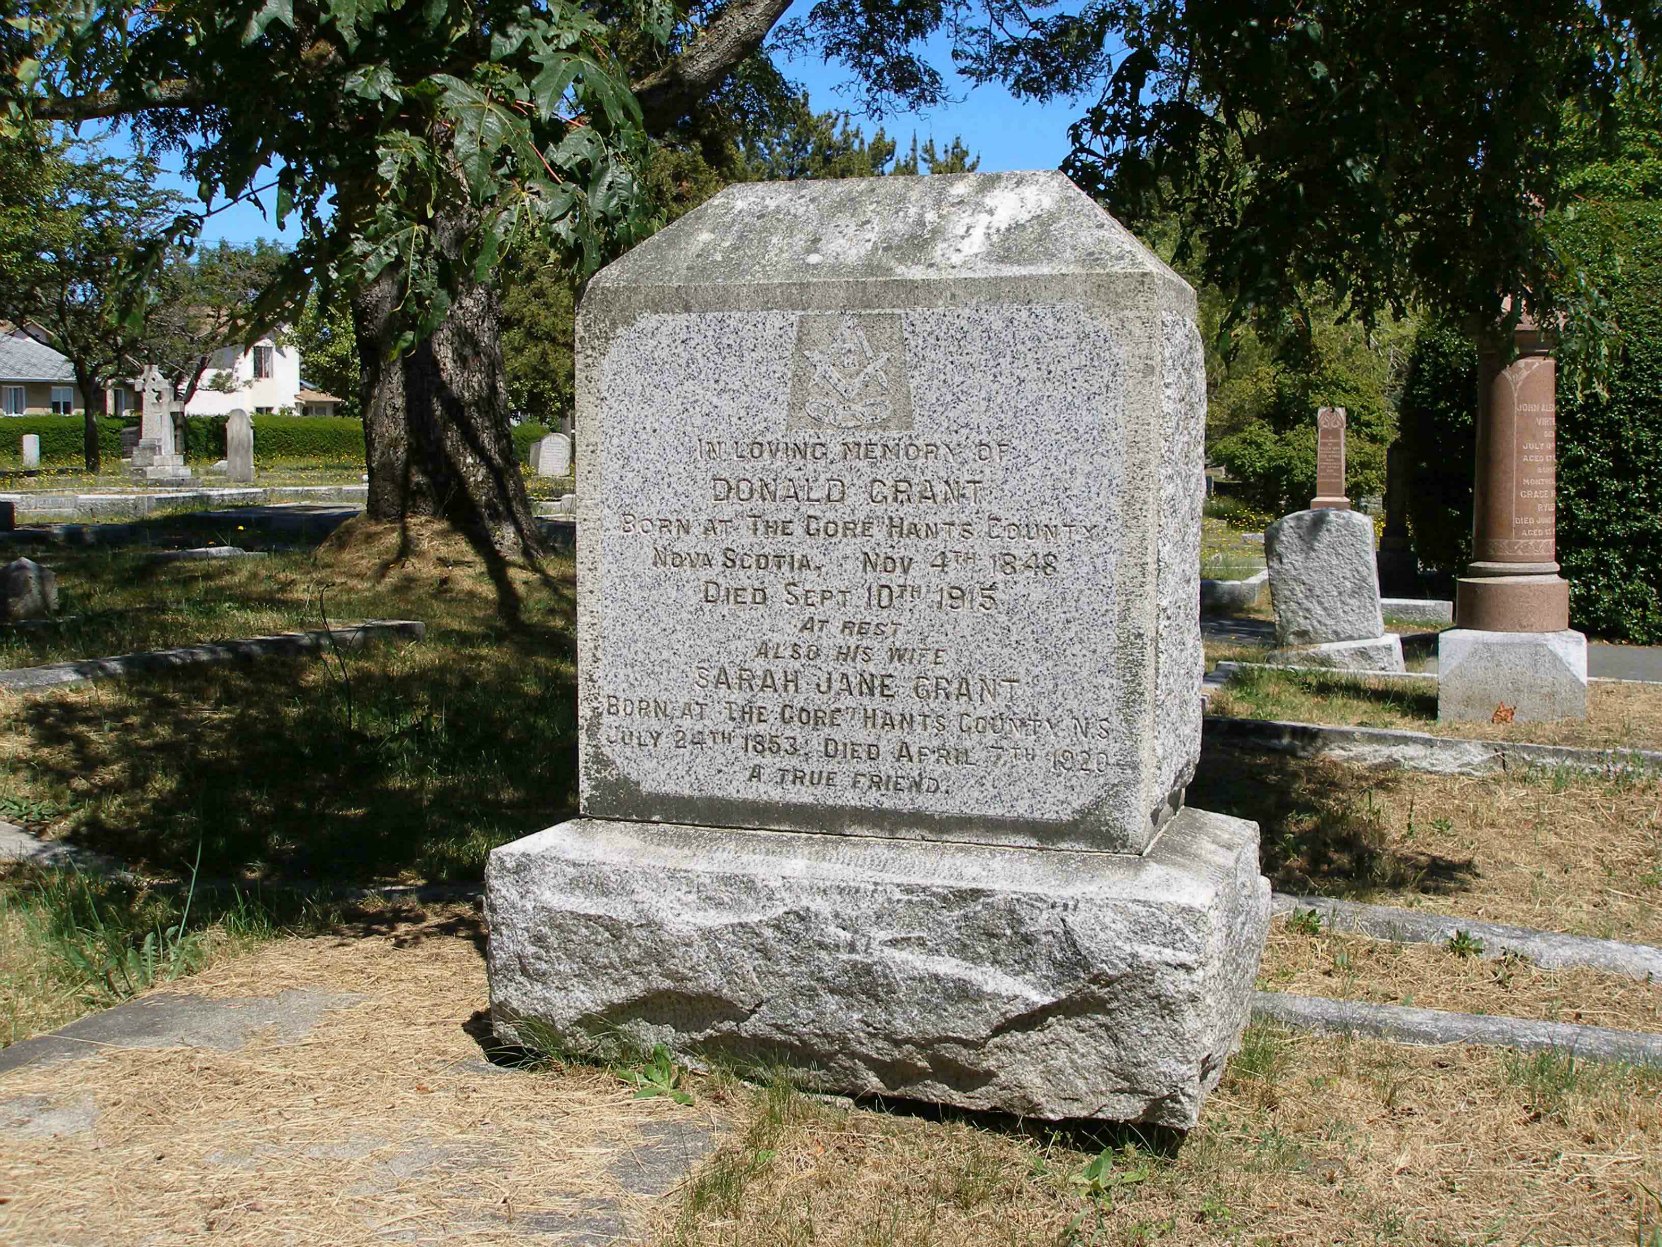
(380, 117)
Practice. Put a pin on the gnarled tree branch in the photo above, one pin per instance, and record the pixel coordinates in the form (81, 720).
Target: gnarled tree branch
(103, 105)
(736, 31)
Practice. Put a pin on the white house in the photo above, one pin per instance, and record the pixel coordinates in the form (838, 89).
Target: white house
(264, 377)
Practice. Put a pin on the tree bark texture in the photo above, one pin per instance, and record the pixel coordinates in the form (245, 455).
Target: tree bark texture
(436, 426)
(92, 406)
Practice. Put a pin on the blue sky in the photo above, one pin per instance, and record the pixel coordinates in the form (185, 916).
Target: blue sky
(1005, 133)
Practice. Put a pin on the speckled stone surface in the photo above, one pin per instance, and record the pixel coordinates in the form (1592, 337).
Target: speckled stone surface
(1322, 577)
(1043, 983)
(890, 504)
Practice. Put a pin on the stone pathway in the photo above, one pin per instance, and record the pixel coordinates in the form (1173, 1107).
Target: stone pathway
(1604, 661)
(334, 1090)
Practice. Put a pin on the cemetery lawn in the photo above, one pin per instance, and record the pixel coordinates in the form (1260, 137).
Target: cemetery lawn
(116, 480)
(397, 763)
(1556, 850)
(1307, 1140)
(384, 1115)
(1619, 715)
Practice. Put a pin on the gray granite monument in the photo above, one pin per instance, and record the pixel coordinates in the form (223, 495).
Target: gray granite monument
(890, 662)
(29, 449)
(155, 457)
(239, 446)
(1325, 589)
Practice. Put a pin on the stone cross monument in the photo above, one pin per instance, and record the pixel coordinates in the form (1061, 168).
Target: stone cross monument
(1512, 645)
(1330, 461)
(155, 457)
(888, 700)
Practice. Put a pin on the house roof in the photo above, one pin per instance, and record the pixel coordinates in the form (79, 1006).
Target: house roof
(315, 396)
(24, 359)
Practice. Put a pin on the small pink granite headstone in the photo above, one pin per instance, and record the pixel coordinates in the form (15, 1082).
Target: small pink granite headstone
(1330, 461)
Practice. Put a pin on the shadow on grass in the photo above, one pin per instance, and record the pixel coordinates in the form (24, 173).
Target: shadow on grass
(1321, 831)
(1270, 692)
(372, 766)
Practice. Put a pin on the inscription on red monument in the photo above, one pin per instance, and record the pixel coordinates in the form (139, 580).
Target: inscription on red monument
(1330, 460)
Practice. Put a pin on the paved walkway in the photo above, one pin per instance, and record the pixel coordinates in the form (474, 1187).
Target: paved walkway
(1604, 661)
(333, 1090)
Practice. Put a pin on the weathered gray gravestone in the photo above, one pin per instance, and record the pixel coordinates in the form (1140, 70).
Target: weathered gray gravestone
(27, 590)
(551, 455)
(239, 446)
(1325, 589)
(890, 662)
(30, 451)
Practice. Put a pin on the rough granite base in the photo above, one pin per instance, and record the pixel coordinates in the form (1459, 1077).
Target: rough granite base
(1382, 653)
(1044, 983)
(1537, 675)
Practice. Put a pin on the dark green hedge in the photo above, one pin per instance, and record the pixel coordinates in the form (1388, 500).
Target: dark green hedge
(60, 439)
(290, 441)
(1609, 447)
(524, 436)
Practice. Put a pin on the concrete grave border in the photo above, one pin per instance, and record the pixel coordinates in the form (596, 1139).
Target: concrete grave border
(283, 645)
(1404, 1024)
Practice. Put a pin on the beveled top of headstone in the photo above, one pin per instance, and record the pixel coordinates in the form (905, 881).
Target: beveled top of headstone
(947, 227)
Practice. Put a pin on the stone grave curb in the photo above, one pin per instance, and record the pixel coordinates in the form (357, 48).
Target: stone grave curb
(1548, 949)
(1417, 751)
(287, 644)
(1404, 1024)
(1220, 597)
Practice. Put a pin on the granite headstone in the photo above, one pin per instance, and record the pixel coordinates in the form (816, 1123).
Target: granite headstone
(887, 697)
(1325, 590)
(30, 450)
(27, 590)
(239, 446)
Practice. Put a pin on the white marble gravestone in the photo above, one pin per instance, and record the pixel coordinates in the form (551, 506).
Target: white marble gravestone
(30, 451)
(890, 662)
(155, 457)
(551, 455)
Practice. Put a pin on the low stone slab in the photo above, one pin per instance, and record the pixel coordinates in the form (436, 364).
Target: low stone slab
(1551, 950)
(204, 554)
(287, 644)
(1430, 611)
(1046, 984)
(170, 1020)
(1403, 1024)
(1224, 597)
(1322, 577)
(1381, 654)
(1419, 751)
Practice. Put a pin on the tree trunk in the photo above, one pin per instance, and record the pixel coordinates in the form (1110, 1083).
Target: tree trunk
(436, 418)
(92, 406)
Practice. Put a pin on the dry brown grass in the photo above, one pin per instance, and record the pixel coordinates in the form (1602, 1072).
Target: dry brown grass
(1619, 716)
(383, 1124)
(1430, 976)
(1561, 852)
(1309, 1140)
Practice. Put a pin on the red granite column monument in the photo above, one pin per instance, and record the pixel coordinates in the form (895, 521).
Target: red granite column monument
(1512, 583)
(1330, 461)
(1511, 654)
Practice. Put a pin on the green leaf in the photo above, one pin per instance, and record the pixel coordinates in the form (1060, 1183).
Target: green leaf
(271, 11)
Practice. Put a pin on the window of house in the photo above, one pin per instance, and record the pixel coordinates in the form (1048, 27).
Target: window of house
(12, 400)
(118, 402)
(262, 362)
(63, 400)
